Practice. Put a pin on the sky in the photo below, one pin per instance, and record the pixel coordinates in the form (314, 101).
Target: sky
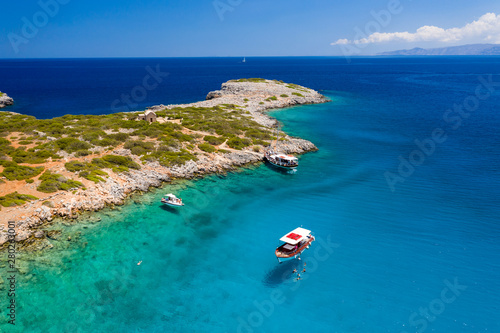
(200, 28)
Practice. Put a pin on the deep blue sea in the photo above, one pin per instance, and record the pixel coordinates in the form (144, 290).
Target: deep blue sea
(403, 197)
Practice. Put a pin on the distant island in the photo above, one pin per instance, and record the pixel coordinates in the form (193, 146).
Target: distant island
(471, 49)
(64, 166)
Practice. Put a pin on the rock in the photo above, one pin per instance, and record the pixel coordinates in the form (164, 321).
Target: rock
(5, 100)
(213, 94)
(54, 234)
(22, 267)
(39, 234)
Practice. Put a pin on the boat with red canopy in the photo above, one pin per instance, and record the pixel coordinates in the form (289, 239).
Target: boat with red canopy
(294, 243)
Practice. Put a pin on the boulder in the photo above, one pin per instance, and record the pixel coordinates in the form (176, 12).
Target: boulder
(5, 100)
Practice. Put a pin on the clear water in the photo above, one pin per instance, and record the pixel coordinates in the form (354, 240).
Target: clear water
(382, 256)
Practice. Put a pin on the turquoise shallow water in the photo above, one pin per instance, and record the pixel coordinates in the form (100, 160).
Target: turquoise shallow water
(382, 257)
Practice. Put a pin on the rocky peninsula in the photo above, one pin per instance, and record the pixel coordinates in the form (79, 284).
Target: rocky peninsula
(5, 100)
(65, 166)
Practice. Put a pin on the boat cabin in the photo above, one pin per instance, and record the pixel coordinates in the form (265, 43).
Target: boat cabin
(172, 200)
(288, 161)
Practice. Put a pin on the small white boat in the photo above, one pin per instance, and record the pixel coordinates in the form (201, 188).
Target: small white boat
(281, 160)
(172, 200)
(295, 242)
(244, 60)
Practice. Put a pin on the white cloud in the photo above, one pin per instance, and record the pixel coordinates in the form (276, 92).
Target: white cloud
(485, 29)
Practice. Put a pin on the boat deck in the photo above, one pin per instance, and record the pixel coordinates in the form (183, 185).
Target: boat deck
(288, 251)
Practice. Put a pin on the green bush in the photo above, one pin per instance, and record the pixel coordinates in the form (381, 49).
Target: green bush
(106, 142)
(93, 135)
(71, 145)
(81, 153)
(93, 175)
(207, 147)
(182, 137)
(137, 150)
(92, 171)
(170, 158)
(100, 163)
(13, 171)
(170, 142)
(76, 166)
(5, 145)
(52, 182)
(37, 155)
(258, 134)
(121, 161)
(238, 143)
(297, 94)
(122, 137)
(139, 147)
(284, 95)
(49, 204)
(213, 140)
(260, 142)
(15, 199)
(86, 170)
(30, 181)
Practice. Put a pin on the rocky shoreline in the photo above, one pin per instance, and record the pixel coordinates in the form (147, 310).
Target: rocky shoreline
(5, 100)
(255, 97)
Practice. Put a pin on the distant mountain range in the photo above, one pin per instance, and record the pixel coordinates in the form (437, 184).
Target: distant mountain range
(471, 49)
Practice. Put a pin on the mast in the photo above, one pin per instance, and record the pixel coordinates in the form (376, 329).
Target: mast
(277, 133)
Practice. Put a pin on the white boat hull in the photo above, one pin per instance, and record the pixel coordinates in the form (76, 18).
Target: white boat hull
(283, 257)
(282, 166)
(173, 205)
(280, 260)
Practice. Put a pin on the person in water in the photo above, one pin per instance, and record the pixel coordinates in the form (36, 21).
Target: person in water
(294, 270)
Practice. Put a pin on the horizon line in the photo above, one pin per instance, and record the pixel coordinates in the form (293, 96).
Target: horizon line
(300, 56)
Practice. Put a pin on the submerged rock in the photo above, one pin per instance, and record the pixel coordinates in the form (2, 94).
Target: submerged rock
(54, 234)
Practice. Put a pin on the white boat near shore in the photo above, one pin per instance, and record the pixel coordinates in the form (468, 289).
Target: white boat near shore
(172, 200)
(277, 158)
(281, 160)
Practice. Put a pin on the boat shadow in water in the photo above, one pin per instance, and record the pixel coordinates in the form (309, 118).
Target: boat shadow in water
(281, 273)
(172, 210)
